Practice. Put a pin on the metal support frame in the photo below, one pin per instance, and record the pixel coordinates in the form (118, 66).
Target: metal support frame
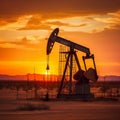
(71, 54)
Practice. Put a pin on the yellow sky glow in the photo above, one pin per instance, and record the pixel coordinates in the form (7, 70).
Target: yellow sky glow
(24, 34)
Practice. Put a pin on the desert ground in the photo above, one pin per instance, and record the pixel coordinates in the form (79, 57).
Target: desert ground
(59, 110)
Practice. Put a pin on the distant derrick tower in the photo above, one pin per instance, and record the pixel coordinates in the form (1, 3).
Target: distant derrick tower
(63, 53)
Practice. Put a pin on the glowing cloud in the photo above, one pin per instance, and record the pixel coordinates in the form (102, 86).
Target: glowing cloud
(16, 24)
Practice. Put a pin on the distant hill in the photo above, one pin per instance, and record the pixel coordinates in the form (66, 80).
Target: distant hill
(25, 77)
(15, 77)
(109, 78)
(41, 77)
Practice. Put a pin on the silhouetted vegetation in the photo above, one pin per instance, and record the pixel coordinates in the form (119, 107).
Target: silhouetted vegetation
(31, 107)
(99, 89)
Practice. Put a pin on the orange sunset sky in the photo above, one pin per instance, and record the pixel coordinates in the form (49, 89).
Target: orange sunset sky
(25, 26)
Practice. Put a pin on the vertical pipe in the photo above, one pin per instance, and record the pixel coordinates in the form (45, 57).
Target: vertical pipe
(71, 66)
(84, 62)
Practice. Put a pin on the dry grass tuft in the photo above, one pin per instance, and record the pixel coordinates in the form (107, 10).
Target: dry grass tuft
(31, 107)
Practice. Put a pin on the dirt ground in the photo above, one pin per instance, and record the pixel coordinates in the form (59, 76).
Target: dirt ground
(60, 110)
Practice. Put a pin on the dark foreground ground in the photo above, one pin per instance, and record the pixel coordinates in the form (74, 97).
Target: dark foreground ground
(62, 110)
(59, 110)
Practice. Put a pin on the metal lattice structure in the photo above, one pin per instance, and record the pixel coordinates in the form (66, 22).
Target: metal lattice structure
(63, 53)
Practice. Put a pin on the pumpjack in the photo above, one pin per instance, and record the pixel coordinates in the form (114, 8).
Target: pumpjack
(82, 77)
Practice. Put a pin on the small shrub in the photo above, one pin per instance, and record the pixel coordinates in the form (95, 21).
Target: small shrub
(27, 107)
(31, 107)
(42, 107)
